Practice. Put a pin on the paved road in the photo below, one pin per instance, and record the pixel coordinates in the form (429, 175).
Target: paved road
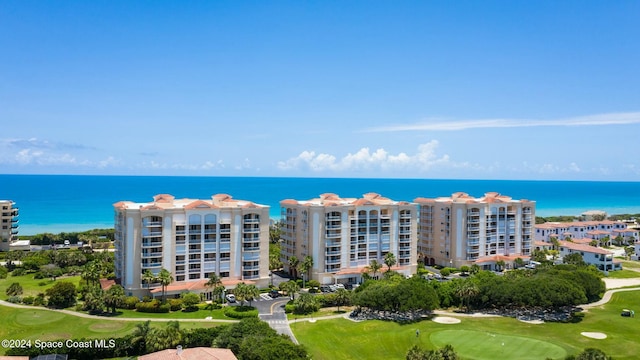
(274, 315)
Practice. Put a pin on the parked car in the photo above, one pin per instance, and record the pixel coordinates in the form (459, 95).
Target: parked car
(274, 294)
(231, 298)
(626, 312)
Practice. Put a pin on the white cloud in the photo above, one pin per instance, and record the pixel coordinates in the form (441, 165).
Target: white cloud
(364, 159)
(456, 125)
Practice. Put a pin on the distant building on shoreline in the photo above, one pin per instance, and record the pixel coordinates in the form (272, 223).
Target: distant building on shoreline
(463, 230)
(9, 229)
(343, 235)
(193, 239)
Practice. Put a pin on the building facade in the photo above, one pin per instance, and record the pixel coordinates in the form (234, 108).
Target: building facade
(343, 235)
(192, 239)
(462, 230)
(9, 224)
(604, 231)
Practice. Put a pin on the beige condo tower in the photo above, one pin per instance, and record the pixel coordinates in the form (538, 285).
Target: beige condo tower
(462, 230)
(192, 239)
(343, 235)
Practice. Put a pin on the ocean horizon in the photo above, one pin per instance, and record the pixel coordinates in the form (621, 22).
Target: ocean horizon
(68, 203)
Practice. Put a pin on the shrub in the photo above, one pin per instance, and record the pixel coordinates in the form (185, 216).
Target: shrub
(3, 272)
(40, 300)
(288, 309)
(39, 275)
(18, 272)
(28, 300)
(130, 302)
(14, 299)
(14, 289)
(42, 283)
(153, 307)
(445, 272)
(175, 304)
(241, 312)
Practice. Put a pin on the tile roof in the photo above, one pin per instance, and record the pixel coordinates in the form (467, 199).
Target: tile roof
(585, 248)
(198, 353)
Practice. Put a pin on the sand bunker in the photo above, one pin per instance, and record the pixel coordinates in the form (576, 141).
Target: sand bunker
(534, 322)
(446, 320)
(594, 335)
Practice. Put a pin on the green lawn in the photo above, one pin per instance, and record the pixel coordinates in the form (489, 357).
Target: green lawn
(344, 339)
(623, 274)
(41, 324)
(630, 264)
(200, 314)
(31, 286)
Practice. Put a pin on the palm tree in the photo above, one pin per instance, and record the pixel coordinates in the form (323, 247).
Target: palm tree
(91, 273)
(307, 264)
(251, 293)
(293, 265)
(217, 289)
(389, 260)
(290, 287)
(240, 291)
(148, 277)
(165, 279)
(466, 290)
(500, 264)
(475, 268)
(114, 297)
(342, 297)
(140, 334)
(519, 262)
(374, 266)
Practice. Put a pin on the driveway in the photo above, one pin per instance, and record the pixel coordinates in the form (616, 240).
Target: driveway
(272, 312)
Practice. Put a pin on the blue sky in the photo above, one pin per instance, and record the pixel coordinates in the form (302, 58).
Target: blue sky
(425, 89)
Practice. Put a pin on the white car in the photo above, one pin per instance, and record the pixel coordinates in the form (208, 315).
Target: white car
(231, 298)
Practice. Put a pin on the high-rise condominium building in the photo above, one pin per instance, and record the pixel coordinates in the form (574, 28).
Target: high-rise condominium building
(462, 230)
(343, 235)
(192, 239)
(9, 228)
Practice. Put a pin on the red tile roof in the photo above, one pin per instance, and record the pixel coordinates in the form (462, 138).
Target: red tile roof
(198, 353)
(585, 248)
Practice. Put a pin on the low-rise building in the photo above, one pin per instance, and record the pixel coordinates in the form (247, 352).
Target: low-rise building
(596, 230)
(602, 259)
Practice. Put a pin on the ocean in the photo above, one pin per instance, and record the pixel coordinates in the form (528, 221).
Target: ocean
(65, 203)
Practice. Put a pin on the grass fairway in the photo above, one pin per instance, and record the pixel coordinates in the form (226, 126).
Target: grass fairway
(344, 339)
(31, 286)
(40, 324)
(471, 344)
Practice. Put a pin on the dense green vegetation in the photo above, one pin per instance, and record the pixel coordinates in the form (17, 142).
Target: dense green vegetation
(86, 237)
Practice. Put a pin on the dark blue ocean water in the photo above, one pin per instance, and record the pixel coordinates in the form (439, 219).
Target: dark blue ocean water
(56, 203)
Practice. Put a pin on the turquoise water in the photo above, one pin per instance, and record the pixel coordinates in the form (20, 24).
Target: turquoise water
(56, 203)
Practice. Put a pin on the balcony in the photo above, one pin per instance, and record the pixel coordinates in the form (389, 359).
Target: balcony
(151, 223)
(151, 234)
(332, 261)
(252, 221)
(151, 265)
(151, 244)
(338, 252)
(152, 254)
(250, 267)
